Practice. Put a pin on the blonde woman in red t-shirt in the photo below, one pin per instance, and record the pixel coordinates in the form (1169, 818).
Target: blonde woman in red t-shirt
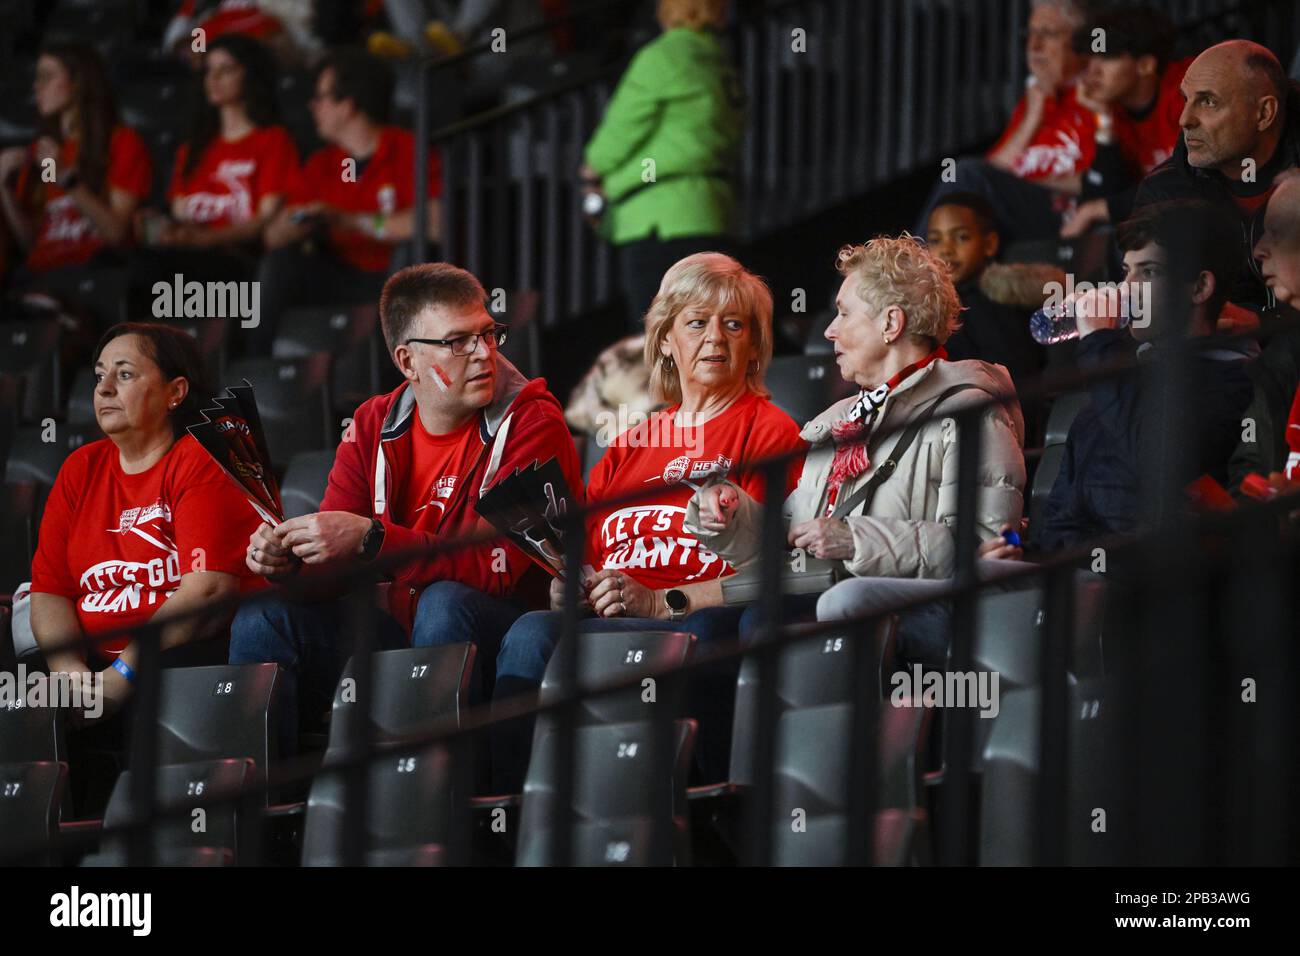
(708, 344)
(68, 198)
(142, 526)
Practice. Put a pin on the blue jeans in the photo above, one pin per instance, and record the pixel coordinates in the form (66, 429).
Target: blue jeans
(311, 643)
(450, 612)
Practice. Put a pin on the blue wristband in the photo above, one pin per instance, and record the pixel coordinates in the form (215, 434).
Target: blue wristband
(124, 669)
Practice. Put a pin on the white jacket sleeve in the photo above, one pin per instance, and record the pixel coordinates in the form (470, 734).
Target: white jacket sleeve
(925, 548)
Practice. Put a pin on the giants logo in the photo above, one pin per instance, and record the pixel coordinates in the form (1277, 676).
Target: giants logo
(651, 536)
(116, 586)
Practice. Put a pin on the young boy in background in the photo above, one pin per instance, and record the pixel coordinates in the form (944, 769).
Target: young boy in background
(997, 300)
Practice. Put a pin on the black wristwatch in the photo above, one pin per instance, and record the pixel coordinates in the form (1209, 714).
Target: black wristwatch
(677, 603)
(373, 541)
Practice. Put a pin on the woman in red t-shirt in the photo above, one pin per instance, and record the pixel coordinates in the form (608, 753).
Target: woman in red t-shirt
(77, 186)
(708, 343)
(232, 174)
(140, 526)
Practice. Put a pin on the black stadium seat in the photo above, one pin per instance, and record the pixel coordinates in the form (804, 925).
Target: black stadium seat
(20, 505)
(614, 797)
(413, 688)
(812, 779)
(81, 400)
(1049, 465)
(31, 458)
(178, 841)
(212, 336)
(410, 791)
(606, 657)
(804, 386)
(408, 807)
(30, 797)
(29, 368)
(220, 712)
(32, 734)
(305, 482)
(1064, 408)
(293, 401)
(810, 673)
(1010, 780)
(350, 334)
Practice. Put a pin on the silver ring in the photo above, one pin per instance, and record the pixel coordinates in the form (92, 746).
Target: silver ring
(255, 557)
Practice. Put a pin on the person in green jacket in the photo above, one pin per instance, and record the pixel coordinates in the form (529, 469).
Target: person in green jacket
(665, 154)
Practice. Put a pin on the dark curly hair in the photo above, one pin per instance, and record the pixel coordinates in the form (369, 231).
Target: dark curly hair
(258, 94)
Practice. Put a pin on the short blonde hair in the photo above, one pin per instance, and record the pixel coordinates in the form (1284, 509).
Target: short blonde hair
(720, 283)
(903, 272)
(695, 14)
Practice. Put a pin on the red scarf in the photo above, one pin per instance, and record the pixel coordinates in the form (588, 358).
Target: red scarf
(850, 432)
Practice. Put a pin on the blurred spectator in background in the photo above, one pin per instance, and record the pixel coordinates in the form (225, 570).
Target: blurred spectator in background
(230, 176)
(1269, 446)
(448, 26)
(354, 201)
(284, 25)
(664, 156)
(78, 185)
(1182, 256)
(1036, 167)
(1241, 128)
(996, 300)
(1133, 90)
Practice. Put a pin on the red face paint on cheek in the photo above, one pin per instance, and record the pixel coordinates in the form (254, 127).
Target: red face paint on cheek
(440, 378)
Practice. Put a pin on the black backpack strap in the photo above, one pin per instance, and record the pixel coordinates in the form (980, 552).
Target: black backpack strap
(882, 473)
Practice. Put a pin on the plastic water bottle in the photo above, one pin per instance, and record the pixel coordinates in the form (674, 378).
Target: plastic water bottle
(1053, 324)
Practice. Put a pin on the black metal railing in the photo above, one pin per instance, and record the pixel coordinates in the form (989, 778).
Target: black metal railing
(1178, 669)
(842, 97)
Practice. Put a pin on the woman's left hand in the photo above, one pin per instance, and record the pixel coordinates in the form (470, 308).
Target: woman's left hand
(615, 594)
(827, 538)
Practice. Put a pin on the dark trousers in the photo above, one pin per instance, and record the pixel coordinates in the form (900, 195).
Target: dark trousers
(643, 263)
(313, 642)
(1025, 210)
(294, 276)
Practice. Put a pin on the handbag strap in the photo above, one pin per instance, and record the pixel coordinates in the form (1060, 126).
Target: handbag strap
(882, 473)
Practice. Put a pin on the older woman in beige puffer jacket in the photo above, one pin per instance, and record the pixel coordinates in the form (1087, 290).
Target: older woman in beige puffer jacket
(896, 308)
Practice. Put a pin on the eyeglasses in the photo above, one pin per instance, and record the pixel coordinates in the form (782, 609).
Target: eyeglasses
(493, 338)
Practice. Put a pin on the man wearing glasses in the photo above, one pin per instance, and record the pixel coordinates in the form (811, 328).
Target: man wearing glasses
(405, 478)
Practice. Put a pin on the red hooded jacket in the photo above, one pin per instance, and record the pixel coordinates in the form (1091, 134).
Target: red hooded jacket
(524, 423)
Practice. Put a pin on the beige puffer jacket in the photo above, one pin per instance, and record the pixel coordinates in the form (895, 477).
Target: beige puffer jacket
(908, 531)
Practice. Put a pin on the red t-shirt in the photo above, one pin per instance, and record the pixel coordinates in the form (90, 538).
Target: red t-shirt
(233, 177)
(383, 185)
(117, 544)
(437, 465)
(65, 236)
(648, 538)
(1147, 142)
(1063, 144)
